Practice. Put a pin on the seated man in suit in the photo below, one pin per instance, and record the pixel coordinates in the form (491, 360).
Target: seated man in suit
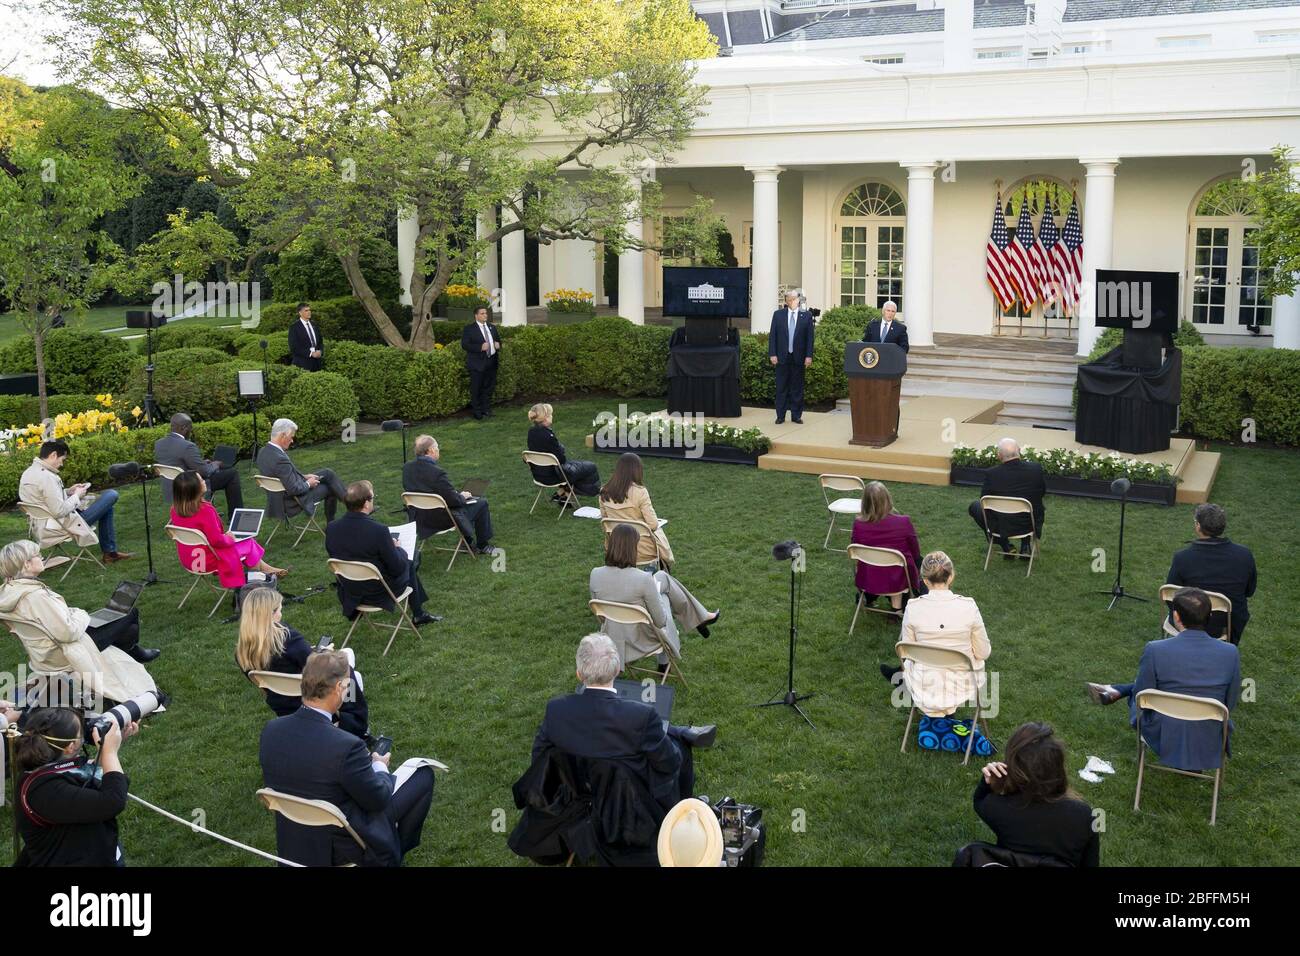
(358, 537)
(423, 473)
(307, 490)
(40, 484)
(597, 723)
(790, 350)
(306, 346)
(1012, 478)
(306, 755)
(885, 329)
(1191, 663)
(1213, 563)
(176, 449)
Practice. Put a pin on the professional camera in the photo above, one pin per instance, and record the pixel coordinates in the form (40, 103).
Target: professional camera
(744, 836)
(121, 715)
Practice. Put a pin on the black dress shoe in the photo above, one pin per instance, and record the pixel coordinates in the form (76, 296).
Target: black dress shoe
(780, 421)
(700, 738)
(797, 421)
(704, 628)
(143, 655)
(426, 618)
(487, 413)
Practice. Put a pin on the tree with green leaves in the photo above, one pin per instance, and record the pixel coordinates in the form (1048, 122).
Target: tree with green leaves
(325, 117)
(59, 175)
(1275, 196)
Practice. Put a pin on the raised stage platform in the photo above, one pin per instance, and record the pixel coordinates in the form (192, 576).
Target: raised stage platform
(928, 428)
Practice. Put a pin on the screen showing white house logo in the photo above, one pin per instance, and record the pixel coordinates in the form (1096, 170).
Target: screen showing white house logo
(705, 292)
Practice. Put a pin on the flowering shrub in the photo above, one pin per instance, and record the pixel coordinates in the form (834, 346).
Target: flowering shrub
(667, 432)
(465, 296)
(67, 425)
(1071, 464)
(571, 300)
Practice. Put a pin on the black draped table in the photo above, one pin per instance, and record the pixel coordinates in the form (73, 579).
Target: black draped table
(704, 379)
(1128, 409)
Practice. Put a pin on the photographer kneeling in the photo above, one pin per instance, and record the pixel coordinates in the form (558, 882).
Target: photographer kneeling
(68, 810)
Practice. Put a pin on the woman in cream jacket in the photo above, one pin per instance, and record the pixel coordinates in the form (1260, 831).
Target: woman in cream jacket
(625, 498)
(63, 646)
(945, 619)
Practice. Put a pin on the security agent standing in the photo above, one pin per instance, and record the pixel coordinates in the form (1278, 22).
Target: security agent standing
(306, 346)
(482, 344)
(790, 350)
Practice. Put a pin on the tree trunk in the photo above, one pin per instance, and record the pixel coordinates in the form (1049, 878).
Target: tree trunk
(38, 340)
(351, 262)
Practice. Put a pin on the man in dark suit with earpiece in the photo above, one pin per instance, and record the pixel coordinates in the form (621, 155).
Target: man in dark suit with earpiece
(790, 350)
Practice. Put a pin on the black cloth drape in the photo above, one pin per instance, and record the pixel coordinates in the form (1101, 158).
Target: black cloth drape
(704, 379)
(1128, 409)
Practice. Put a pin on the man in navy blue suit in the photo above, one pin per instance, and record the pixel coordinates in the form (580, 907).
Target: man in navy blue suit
(790, 350)
(1213, 563)
(885, 329)
(597, 723)
(306, 755)
(1191, 663)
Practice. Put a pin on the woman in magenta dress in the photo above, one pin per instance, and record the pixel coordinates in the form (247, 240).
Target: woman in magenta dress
(880, 526)
(228, 556)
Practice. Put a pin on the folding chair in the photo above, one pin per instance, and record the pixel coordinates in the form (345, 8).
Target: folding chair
(880, 558)
(426, 501)
(544, 459)
(365, 571)
(308, 813)
(636, 614)
(1010, 506)
(274, 486)
(286, 685)
(1219, 604)
(840, 506)
(39, 518)
(945, 657)
(1182, 707)
(607, 525)
(170, 472)
(197, 540)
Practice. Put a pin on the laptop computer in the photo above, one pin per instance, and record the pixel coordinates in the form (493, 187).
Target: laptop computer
(475, 487)
(226, 454)
(119, 605)
(246, 522)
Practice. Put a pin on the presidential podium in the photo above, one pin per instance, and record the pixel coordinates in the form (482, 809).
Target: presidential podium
(875, 373)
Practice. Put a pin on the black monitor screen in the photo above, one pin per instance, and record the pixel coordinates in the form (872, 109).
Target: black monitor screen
(706, 290)
(1128, 299)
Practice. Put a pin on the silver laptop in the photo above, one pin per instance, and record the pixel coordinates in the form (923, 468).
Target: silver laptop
(246, 522)
(119, 605)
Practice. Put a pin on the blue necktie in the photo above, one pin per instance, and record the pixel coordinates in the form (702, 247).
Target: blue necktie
(790, 337)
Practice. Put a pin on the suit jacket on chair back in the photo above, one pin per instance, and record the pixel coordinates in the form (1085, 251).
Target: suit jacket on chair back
(305, 755)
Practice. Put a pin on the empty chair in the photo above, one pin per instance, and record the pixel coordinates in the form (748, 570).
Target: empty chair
(838, 504)
(1011, 506)
(1182, 707)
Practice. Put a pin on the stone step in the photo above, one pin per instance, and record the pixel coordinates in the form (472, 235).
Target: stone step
(880, 471)
(981, 375)
(987, 362)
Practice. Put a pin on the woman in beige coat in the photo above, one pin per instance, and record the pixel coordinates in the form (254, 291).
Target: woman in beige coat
(58, 642)
(625, 498)
(944, 619)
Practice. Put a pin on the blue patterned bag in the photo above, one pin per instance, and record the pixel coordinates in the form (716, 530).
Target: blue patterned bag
(944, 733)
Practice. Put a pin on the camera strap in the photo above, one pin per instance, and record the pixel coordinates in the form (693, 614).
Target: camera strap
(62, 766)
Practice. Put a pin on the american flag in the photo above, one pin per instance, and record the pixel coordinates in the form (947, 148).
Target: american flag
(995, 260)
(1023, 268)
(1048, 237)
(1067, 259)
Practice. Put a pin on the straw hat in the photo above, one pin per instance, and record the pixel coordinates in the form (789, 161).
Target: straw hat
(690, 836)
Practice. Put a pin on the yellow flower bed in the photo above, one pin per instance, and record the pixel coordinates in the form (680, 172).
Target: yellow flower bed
(68, 425)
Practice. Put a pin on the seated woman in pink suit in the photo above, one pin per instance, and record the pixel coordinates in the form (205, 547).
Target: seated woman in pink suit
(228, 556)
(880, 526)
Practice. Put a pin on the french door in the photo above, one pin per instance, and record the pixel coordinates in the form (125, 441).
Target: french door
(870, 263)
(1224, 278)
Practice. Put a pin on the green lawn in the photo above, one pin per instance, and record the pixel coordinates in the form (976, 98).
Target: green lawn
(473, 688)
(103, 318)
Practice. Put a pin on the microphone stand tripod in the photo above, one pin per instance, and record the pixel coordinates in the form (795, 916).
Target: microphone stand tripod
(1117, 589)
(789, 698)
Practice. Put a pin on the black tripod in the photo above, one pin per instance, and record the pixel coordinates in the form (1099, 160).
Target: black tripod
(789, 697)
(150, 405)
(392, 425)
(1120, 486)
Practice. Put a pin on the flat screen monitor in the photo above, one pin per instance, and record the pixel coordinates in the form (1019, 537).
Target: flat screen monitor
(706, 291)
(1130, 299)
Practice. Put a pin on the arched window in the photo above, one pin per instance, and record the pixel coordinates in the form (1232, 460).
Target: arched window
(1223, 274)
(873, 199)
(870, 225)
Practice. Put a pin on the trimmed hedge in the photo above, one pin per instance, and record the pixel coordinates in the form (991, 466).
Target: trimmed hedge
(341, 319)
(26, 409)
(76, 360)
(1224, 386)
(180, 335)
(318, 402)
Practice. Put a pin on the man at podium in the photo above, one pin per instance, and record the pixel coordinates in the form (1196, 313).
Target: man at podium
(790, 350)
(885, 329)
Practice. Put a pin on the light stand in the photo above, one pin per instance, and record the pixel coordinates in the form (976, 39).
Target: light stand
(1120, 486)
(139, 319)
(252, 386)
(132, 470)
(791, 551)
(392, 425)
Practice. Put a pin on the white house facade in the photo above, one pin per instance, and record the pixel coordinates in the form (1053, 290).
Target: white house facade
(856, 151)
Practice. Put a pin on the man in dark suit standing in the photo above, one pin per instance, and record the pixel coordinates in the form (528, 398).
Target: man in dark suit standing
(306, 347)
(307, 490)
(1213, 563)
(1013, 478)
(306, 755)
(1193, 663)
(176, 449)
(885, 329)
(423, 473)
(482, 344)
(356, 536)
(790, 350)
(597, 723)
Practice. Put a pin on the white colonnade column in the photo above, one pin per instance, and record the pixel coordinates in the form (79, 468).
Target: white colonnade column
(917, 310)
(764, 260)
(1098, 242)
